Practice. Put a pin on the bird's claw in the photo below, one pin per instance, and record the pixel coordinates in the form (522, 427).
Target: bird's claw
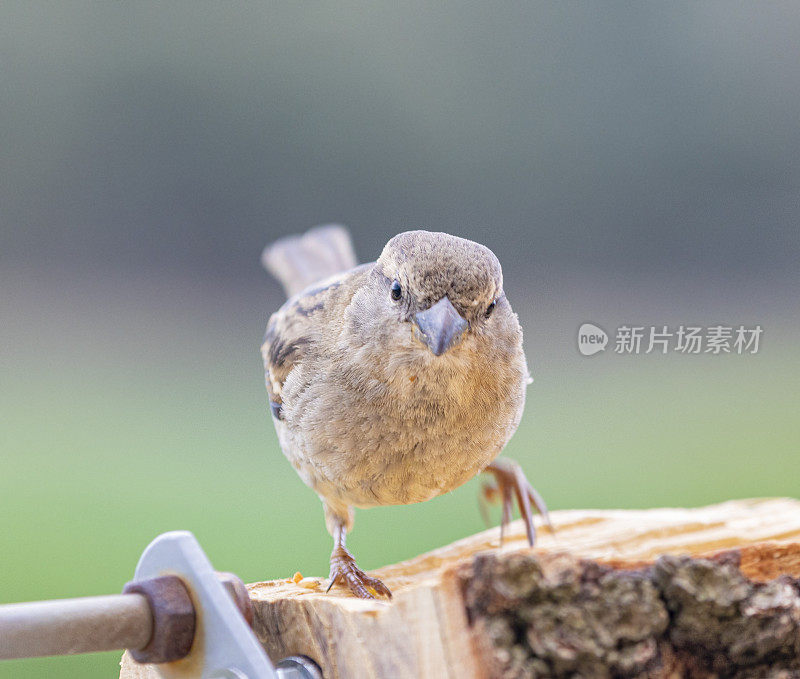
(512, 483)
(344, 570)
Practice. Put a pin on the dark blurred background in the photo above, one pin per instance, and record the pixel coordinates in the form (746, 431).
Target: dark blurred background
(630, 163)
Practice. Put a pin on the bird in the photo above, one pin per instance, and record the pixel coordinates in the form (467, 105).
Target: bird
(395, 381)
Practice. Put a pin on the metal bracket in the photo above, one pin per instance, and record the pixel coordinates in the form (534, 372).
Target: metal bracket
(224, 646)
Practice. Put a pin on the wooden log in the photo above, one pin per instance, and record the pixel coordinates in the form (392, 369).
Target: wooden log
(713, 591)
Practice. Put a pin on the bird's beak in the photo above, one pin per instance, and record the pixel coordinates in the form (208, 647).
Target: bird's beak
(441, 326)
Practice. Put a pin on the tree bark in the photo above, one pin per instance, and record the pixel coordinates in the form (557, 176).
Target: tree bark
(707, 592)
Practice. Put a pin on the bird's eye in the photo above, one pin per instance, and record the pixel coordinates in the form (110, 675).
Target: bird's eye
(490, 309)
(397, 291)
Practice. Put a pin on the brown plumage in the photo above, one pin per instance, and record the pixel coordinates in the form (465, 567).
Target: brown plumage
(395, 381)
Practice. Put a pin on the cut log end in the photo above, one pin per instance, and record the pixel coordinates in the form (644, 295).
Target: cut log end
(652, 593)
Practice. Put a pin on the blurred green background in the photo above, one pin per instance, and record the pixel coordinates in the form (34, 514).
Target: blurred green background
(629, 164)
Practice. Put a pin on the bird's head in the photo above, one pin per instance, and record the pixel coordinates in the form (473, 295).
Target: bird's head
(436, 295)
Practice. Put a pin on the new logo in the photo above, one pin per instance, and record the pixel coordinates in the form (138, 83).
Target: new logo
(591, 339)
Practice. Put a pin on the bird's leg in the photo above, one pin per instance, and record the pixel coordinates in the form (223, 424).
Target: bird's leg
(345, 571)
(511, 483)
(488, 494)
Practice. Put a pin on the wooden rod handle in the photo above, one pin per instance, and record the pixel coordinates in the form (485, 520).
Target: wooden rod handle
(67, 626)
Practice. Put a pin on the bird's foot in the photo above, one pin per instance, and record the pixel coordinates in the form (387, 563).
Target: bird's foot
(512, 483)
(345, 571)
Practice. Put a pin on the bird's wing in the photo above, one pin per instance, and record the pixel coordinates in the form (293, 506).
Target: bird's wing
(297, 327)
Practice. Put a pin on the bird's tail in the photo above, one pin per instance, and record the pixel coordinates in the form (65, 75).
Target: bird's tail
(299, 261)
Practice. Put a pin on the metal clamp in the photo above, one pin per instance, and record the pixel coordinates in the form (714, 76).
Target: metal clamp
(178, 614)
(224, 647)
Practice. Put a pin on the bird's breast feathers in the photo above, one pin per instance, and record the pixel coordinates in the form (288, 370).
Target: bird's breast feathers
(397, 431)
